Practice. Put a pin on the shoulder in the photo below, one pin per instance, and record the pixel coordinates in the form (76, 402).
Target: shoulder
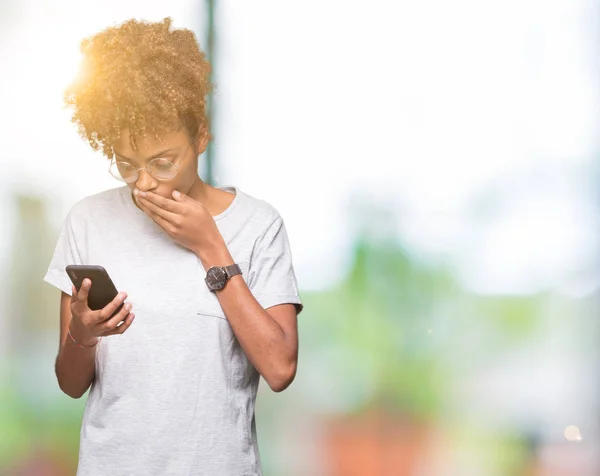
(259, 213)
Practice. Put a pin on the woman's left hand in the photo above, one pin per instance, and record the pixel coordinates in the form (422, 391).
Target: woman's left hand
(184, 219)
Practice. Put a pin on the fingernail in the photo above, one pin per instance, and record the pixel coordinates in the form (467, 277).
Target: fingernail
(175, 193)
(142, 194)
(135, 191)
(128, 306)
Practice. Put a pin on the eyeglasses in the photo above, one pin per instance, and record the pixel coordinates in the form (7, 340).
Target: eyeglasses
(160, 168)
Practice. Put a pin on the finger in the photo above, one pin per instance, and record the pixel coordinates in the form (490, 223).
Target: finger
(113, 322)
(180, 197)
(123, 327)
(167, 226)
(162, 202)
(158, 210)
(73, 294)
(84, 291)
(164, 224)
(107, 311)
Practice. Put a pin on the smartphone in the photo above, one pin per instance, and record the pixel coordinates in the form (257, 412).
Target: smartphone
(103, 290)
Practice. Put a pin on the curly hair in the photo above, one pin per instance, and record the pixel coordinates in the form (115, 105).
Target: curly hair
(140, 76)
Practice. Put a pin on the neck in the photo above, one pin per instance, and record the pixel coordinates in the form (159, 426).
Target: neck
(199, 191)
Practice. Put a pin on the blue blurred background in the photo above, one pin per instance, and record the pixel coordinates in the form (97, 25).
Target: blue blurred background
(437, 166)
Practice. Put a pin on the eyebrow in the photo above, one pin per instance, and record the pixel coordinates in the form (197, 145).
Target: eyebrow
(164, 152)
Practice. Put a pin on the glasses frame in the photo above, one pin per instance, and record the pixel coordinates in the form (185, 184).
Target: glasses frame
(146, 167)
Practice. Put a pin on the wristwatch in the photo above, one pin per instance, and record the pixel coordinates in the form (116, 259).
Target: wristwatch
(217, 276)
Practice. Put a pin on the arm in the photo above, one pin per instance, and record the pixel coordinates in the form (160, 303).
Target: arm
(75, 367)
(269, 337)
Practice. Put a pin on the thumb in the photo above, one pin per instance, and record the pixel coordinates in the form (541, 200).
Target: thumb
(180, 197)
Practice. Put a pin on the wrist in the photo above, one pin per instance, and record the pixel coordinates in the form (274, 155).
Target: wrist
(80, 339)
(216, 255)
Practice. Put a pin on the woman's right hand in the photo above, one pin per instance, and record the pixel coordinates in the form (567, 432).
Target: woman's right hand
(87, 325)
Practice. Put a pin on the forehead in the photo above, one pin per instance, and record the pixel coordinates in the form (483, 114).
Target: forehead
(149, 146)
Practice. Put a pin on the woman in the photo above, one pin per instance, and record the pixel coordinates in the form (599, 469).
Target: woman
(174, 374)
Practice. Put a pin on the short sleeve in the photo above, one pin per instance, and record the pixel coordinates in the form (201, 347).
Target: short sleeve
(272, 279)
(68, 250)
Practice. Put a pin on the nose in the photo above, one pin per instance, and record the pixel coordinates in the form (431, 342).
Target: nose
(145, 181)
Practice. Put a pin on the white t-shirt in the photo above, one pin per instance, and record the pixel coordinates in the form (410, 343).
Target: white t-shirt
(174, 395)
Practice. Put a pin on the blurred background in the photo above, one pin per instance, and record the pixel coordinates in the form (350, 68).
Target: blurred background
(437, 167)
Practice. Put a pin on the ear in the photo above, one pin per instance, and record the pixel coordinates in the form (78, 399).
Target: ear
(203, 137)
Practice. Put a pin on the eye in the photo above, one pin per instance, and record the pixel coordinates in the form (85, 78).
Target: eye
(161, 163)
(123, 168)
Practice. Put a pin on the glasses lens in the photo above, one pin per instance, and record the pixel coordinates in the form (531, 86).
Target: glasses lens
(162, 169)
(123, 171)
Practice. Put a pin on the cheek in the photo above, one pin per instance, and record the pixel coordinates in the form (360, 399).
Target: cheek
(182, 184)
(187, 179)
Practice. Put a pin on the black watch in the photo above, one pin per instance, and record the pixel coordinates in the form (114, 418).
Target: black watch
(217, 276)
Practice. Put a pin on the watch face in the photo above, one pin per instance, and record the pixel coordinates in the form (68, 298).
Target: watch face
(216, 278)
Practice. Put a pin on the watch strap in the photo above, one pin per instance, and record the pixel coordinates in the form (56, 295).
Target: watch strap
(232, 270)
